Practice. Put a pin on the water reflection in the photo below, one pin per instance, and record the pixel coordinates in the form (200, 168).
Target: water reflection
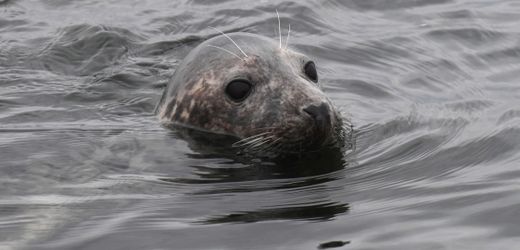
(246, 167)
(234, 174)
(312, 213)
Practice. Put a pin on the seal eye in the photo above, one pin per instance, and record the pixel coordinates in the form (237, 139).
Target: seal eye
(310, 71)
(238, 90)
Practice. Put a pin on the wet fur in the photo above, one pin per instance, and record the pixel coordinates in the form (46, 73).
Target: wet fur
(271, 119)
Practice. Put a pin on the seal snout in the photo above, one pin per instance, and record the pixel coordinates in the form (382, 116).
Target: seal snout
(321, 117)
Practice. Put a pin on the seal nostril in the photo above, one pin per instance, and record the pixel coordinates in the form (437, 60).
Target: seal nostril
(320, 115)
(313, 111)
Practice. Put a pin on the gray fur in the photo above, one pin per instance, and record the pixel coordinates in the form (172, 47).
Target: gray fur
(271, 118)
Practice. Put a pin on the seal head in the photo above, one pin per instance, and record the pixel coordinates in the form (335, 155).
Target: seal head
(249, 87)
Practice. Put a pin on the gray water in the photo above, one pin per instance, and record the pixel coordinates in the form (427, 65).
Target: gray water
(431, 86)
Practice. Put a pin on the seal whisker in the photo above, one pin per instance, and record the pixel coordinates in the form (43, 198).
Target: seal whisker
(258, 145)
(279, 28)
(288, 35)
(262, 133)
(259, 141)
(250, 140)
(257, 135)
(213, 46)
(272, 145)
(245, 142)
(230, 40)
(254, 136)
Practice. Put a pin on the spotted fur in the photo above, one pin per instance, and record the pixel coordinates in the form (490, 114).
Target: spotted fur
(271, 118)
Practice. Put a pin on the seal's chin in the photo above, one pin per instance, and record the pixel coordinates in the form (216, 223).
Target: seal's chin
(320, 139)
(319, 136)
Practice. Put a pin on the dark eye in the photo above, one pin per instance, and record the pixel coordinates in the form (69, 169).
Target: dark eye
(310, 71)
(238, 90)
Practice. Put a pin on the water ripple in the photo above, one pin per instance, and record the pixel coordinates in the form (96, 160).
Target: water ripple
(430, 86)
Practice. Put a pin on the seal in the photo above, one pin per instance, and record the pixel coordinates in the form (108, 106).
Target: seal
(251, 87)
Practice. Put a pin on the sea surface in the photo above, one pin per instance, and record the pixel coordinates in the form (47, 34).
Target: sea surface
(431, 86)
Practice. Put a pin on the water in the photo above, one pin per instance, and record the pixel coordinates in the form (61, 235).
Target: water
(431, 87)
